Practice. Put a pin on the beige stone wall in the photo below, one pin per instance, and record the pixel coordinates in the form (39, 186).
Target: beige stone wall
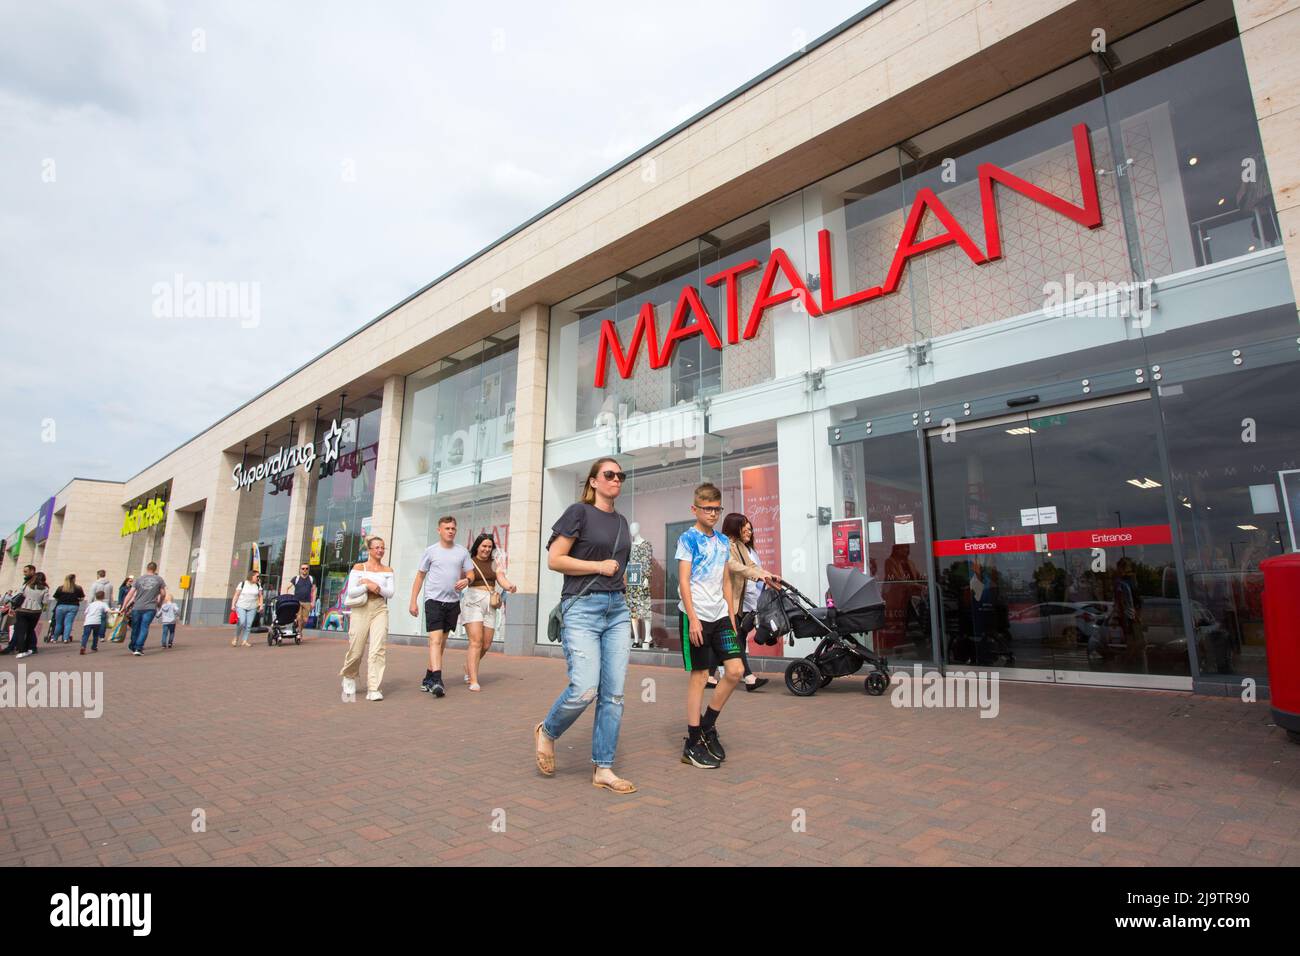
(390, 437)
(1270, 37)
(529, 445)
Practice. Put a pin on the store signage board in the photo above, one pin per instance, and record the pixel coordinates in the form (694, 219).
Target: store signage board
(143, 516)
(44, 521)
(287, 459)
(691, 318)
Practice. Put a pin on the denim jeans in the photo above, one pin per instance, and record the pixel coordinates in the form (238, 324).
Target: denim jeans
(92, 630)
(63, 617)
(246, 615)
(140, 621)
(169, 634)
(597, 640)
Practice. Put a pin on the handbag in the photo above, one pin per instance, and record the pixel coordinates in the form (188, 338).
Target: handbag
(555, 623)
(234, 616)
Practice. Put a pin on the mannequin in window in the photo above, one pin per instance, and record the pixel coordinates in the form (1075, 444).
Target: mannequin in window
(638, 587)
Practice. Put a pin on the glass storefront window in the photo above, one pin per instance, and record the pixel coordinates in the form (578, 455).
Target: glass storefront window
(340, 499)
(458, 422)
(262, 523)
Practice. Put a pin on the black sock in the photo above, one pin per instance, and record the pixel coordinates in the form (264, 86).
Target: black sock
(437, 676)
(709, 718)
(693, 734)
(428, 674)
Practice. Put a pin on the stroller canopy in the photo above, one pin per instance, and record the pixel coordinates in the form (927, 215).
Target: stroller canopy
(851, 590)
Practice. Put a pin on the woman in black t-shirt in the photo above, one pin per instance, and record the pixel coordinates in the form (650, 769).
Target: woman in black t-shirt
(67, 600)
(590, 545)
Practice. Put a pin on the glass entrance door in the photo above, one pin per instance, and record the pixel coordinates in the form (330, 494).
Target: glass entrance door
(1053, 550)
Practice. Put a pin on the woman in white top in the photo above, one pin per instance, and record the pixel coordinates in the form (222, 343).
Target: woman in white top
(246, 603)
(370, 585)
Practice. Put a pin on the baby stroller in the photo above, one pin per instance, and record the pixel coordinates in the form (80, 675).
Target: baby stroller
(858, 609)
(285, 622)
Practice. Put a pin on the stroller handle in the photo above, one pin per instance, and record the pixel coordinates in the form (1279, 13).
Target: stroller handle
(787, 586)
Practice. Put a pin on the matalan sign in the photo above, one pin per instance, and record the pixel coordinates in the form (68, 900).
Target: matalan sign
(691, 318)
(287, 459)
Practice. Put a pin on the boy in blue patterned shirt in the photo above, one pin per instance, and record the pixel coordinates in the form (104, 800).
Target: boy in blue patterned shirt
(707, 626)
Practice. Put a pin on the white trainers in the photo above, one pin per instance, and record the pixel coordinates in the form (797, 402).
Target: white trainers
(374, 695)
(349, 687)
(24, 654)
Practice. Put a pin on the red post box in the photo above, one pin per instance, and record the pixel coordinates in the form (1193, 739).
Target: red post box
(1282, 636)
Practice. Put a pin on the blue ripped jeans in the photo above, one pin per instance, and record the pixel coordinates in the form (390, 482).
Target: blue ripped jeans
(597, 640)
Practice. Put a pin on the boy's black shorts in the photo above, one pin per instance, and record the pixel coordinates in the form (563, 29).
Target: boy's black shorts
(441, 615)
(720, 644)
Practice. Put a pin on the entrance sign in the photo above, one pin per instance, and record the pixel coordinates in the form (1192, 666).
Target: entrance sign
(691, 318)
(1055, 541)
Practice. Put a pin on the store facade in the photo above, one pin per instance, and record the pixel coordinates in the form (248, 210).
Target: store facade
(1029, 363)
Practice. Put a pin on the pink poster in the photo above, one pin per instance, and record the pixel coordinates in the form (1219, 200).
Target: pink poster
(760, 501)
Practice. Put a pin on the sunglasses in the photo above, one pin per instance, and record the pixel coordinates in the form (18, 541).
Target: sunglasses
(614, 475)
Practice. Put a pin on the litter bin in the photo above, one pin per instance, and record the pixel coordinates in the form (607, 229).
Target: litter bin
(1282, 636)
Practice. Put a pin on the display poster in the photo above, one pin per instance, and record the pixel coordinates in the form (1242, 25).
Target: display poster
(848, 546)
(904, 530)
(317, 539)
(760, 502)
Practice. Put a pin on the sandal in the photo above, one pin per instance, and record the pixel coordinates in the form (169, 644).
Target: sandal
(617, 785)
(545, 762)
(474, 687)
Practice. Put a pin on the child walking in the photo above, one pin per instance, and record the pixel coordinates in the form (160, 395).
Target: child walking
(708, 627)
(96, 617)
(167, 614)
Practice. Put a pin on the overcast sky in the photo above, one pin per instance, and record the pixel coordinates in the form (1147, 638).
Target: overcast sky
(338, 155)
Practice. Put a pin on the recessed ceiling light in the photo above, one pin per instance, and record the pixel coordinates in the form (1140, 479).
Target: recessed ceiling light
(1222, 201)
(1247, 527)
(1250, 249)
(1192, 161)
(1022, 430)
(1144, 483)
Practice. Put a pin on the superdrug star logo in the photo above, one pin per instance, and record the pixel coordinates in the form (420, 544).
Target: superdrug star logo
(330, 443)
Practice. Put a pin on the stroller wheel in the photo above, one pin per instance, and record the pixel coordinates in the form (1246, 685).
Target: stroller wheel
(297, 639)
(802, 678)
(270, 639)
(877, 683)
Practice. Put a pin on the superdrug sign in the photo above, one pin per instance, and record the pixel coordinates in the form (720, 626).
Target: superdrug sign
(691, 318)
(286, 459)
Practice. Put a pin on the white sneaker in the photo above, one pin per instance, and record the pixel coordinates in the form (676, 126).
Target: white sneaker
(24, 654)
(349, 687)
(374, 695)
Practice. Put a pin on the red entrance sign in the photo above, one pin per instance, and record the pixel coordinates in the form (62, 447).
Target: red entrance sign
(1055, 541)
(965, 547)
(691, 318)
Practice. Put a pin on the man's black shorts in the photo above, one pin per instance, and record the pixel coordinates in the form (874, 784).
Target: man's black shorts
(720, 644)
(441, 615)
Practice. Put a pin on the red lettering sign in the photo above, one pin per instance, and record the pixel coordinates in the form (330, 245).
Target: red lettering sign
(1056, 541)
(779, 265)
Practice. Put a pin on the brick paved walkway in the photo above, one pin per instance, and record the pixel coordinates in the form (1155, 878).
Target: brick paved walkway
(286, 773)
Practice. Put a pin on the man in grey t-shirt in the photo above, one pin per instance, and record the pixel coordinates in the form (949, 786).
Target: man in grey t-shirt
(441, 578)
(141, 603)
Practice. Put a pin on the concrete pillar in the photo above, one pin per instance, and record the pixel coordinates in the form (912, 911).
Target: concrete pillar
(212, 571)
(174, 556)
(526, 532)
(390, 440)
(294, 551)
(1270, 35)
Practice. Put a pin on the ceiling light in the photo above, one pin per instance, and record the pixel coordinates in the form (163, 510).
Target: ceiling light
(1250, 248)
(1192, 161)
(1222, 201)
(1022, 430)
(1247, 527)
(1144, 483)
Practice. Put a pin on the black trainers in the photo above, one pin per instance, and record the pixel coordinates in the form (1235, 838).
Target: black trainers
(713, 744)
(436, 689)
(426, 685)
(698, 755)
